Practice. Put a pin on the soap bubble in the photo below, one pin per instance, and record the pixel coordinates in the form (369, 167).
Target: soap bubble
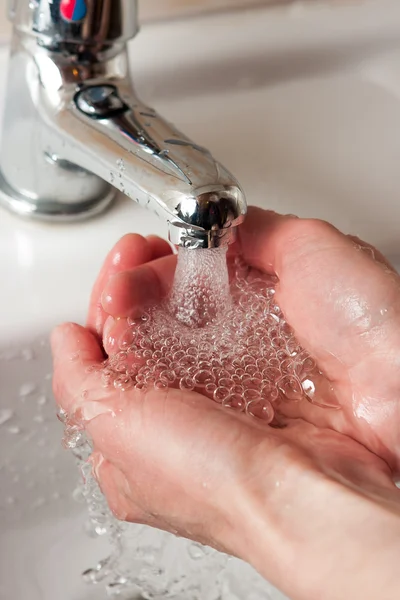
(160, 384)
(210, 388)
(261, 409)
(202, 377)
(186, 383)
(235, 401)
(221, 394)
(291, 388)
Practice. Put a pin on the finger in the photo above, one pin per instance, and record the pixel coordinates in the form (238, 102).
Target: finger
(334, 296)
(75, 351)
(257, 237)
(117, 333)
(128, 252)
(131, 251)
(159, 247)
(128, 293)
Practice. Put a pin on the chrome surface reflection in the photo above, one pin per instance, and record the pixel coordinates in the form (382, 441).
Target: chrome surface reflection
(78, 132)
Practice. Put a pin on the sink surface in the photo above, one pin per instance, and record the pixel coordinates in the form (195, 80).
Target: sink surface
(304, 109)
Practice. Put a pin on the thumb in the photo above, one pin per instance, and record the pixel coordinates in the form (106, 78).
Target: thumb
(74, 350)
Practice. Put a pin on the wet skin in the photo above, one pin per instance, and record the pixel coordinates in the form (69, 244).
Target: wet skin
(313, 505)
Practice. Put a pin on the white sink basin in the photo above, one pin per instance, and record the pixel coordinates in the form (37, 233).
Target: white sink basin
(305, 111)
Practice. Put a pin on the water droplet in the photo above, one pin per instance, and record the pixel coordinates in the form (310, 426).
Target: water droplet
(28, 354)
(14, 430)
(261, 409)
(116, 588)
(41, 400)
(39, 502)
(121, 164)
(5, 415)
(27, 389)
(221, 394)
(186, 383)
(99, 573)
(308, 387)
(160, 384)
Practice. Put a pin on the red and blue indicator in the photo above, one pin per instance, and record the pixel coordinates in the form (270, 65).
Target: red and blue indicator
(73, 10)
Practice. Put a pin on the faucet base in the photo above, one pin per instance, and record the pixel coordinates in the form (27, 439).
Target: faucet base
(51, 210)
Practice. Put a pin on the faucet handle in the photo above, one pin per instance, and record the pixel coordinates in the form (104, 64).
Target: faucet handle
(77, 22)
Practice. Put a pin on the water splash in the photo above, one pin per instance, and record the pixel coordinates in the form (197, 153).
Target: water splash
(227, 341)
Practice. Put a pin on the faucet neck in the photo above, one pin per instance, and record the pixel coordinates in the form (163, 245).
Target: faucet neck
(78, 127)
(63, 24)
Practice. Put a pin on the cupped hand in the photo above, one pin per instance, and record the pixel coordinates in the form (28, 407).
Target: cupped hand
(304, 503)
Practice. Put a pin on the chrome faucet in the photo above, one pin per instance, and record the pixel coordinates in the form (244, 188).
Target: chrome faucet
(74, 131)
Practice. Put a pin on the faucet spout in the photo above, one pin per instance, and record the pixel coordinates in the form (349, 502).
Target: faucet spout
(120, 139)
(89, 134)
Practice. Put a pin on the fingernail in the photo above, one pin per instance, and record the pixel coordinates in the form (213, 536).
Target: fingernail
(106, 300)
(99, 322)
(107, 297)
(108, 325)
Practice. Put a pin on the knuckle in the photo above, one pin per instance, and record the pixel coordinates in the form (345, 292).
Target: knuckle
(309, 229)
(306, 239)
